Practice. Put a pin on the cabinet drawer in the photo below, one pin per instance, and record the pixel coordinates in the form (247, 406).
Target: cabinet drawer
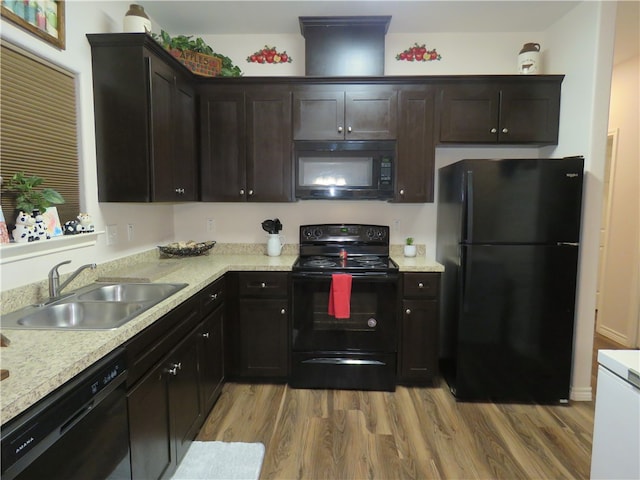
(149, 346)
(423, 285)
(212, 296)
(263, 284)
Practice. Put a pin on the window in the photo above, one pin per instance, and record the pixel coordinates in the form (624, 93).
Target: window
(38, 127)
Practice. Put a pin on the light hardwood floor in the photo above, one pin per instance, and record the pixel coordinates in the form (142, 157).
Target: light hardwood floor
(412, 433)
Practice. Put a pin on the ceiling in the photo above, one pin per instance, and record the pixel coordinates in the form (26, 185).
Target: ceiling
(210, 17)
(408, 16)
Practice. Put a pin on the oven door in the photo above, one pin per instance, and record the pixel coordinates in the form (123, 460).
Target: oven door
(370, 328)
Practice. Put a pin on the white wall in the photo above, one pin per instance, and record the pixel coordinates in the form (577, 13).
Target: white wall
(578, 45)
(586, 58)
(618, 315)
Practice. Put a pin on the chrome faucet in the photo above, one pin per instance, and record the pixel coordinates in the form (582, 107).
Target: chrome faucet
(54, 278)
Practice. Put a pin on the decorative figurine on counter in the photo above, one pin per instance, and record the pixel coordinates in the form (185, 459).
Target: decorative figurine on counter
(40, 231)
(86, 223)
(72, 227)
(83, 224)
(25, 228)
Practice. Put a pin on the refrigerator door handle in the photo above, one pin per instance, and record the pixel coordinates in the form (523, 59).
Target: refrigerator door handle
(568, 244)
(468, 204)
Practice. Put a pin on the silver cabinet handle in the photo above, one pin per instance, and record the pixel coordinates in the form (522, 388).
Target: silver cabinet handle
(283, 311)
(401, 191)
(205, 335)
(180, 191)
(173, 369)
(213, 296)
(420, 285)
(263, 285)
(242, 191)
(250, 192)
(339, 129)
(505, 130)
(408, 311)
(494, 130)
(349, 129)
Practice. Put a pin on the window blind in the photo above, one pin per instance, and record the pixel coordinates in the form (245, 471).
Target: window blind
(38, 127)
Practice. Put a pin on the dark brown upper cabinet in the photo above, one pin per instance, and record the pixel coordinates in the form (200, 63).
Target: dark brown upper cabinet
(145, 121)
(347, 112)
(415, 158)
(246, 147)
(503, 109)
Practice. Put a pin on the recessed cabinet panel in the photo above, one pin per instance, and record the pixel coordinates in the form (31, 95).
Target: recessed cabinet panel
(144, 123)
(469, 113)
(514, 111)
(318, 115)
(223, 148)
(416, 145)
(371, 114)
(353, 112)
(246, 144)
(269, 146)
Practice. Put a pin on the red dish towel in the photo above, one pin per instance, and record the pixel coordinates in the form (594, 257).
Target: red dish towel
(340, 295)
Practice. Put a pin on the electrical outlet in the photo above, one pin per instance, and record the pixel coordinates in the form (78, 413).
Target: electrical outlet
(396, 224)
(112, 234)
(130, 231)
(211, 225)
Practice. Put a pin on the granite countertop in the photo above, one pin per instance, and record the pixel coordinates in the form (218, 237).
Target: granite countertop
(39, 361)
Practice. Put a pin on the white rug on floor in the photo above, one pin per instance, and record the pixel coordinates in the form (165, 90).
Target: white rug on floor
(221, 461)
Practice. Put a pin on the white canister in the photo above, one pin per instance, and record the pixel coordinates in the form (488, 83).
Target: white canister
(275, 242)
(136, 20)
(529, 59)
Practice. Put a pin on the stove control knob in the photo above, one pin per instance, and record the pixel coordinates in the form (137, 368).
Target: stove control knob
(372, 322)
(317, 233)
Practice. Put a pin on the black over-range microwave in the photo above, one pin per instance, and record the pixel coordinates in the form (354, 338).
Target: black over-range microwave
(353, 169)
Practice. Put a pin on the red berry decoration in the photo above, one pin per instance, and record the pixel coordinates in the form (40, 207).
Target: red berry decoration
(269, 55)
(418, 53)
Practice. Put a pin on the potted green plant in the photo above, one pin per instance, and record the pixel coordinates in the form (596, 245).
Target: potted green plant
(29, 197)
(410, 249)
(197, 56)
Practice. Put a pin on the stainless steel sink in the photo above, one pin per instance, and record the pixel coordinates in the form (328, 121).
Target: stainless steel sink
(94, 307)
(82, 315)
(131, 292)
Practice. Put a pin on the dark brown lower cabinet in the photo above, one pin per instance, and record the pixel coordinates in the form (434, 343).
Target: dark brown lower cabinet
(263, 324)
(165, 412)
(185, 406)
(212, 357)
(152, 454)
(176, 370)
(419, 335)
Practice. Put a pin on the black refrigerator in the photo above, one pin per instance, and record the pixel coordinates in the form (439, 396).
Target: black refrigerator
(508, 237)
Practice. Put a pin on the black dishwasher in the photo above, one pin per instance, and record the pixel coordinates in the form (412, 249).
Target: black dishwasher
(80, 431)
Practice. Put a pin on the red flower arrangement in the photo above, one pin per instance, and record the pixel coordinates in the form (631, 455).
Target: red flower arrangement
(418, 53)
(269, 55)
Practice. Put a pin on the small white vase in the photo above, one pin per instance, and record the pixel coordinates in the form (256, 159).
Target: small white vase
(410, 250)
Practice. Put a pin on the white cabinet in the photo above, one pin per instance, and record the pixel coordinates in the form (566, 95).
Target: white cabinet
(616, 431)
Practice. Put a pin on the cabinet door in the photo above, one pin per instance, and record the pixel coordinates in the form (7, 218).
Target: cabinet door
(269, 153)
(370, 113)
(184, 393)
(530, 113)
(162, 80)
(152, 451)
(415, 162)
(469, 113)
(223, 151)
(185, 185)
(318, 114)
(419, 345)
(264, 346)
(211, 358)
